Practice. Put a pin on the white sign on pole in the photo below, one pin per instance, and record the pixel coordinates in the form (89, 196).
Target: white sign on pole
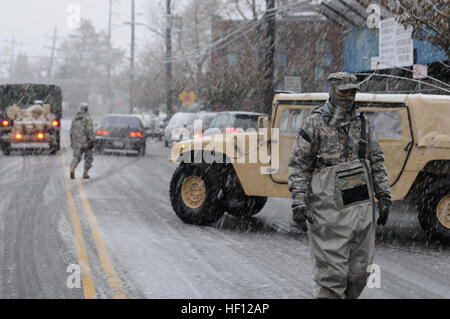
(293, 83)
(395, 46)
(420, 71)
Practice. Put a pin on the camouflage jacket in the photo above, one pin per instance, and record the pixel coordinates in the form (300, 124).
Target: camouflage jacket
(321, 143)
(82, 130)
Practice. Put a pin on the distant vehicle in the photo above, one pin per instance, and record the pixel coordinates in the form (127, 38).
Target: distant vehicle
(151, 124)
(413, 131)
(206, 118)
(121, 133)
(178, 120)
(30, 117)
(233, 122)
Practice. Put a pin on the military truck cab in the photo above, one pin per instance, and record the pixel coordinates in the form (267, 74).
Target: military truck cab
(413, 132)
(30, 117)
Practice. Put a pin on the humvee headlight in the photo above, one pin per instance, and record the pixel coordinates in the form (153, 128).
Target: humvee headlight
(40, 136)
(19, 136)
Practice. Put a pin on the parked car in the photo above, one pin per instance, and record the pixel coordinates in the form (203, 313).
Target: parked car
(178, 121)
(151, 125)
(121, 133)
(206, 119)
(233, 122)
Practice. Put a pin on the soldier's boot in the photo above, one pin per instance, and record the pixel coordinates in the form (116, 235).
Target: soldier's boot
(72, 172)
(85, 175)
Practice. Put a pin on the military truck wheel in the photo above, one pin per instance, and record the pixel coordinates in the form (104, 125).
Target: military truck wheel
(6, 148)
(434, 209)
(194, 193)
(247, 207)
(53, 149)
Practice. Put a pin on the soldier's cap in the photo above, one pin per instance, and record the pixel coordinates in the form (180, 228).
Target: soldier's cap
(84, 106)
(344, 81)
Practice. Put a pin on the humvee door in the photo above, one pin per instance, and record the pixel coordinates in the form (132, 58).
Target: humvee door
(289, 119)
(392, 127)
(388, 120)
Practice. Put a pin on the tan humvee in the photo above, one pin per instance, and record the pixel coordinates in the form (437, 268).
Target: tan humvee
(413, 130)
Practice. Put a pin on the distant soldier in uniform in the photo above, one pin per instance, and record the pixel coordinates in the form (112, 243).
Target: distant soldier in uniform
(335, 169)
(82, 140)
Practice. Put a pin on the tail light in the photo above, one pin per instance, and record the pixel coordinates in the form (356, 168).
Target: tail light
(19, 136)
(102, 132)
(55, 123)
(136, 134)
(40, 136)
(231, 130)
(5, 123)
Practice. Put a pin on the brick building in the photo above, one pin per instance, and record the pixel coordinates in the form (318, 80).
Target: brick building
(308, 47)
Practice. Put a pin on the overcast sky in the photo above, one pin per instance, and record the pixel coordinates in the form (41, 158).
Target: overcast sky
(31, 22)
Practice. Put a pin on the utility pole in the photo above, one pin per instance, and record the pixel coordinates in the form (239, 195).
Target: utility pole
(13, 46)
(132, 57)
(52, 55)
(168, 58)
(269, 55)
(109, 90)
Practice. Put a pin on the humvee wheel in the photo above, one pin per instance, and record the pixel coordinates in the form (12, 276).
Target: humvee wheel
(194, 193)
(250, 206)
(6, 148)
(434, 210)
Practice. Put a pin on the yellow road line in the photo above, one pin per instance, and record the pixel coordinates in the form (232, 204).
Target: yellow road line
(105, 258)
(86, 274)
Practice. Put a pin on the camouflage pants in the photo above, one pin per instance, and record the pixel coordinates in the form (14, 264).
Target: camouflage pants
(78, 155)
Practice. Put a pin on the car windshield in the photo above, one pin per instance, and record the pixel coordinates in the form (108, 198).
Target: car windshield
(179, 119)
(205, 118)
(246, 121)
(121, 121)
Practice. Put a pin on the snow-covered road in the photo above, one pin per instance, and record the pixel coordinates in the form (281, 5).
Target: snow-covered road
(119, 228)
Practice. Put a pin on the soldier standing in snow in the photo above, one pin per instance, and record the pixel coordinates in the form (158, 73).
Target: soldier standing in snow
(336, 167)
(82, 140)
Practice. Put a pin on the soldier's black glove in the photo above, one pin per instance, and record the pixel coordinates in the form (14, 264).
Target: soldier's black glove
(301, 214)
(384, 209)
(90, 145)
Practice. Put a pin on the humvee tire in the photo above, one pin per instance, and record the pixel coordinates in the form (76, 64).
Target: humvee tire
(249, 206)
(6, 148)
(195, 191)
(434, 209)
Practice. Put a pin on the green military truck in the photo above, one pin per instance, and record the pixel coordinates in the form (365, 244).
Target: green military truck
(30, 116)
(235, 173)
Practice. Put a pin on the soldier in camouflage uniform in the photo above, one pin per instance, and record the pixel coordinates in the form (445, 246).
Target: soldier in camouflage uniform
(337, 210)
(82, 140)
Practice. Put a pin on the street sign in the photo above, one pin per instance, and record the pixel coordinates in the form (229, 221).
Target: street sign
(293, 83)
(395, 46)
(420, 71)
(188, 97)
